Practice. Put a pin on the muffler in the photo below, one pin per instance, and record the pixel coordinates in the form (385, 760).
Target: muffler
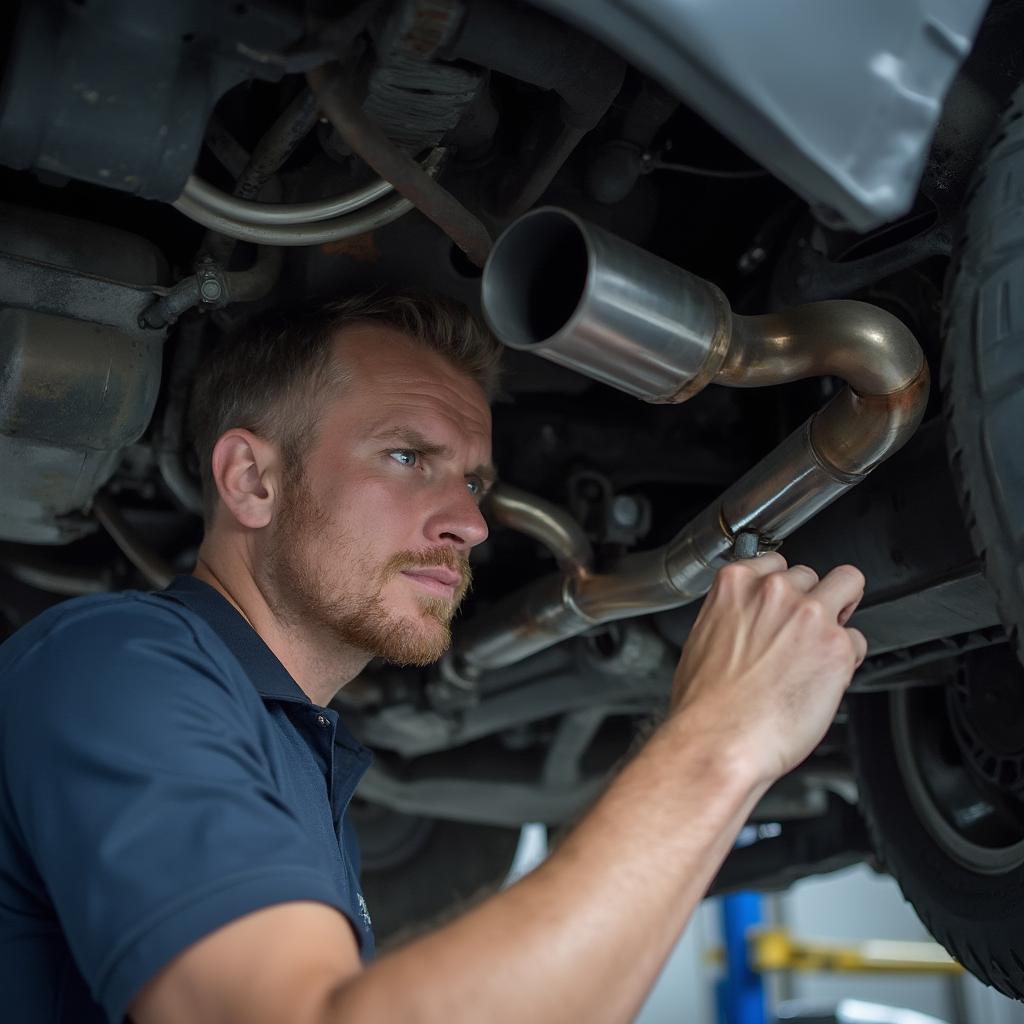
(579, 296)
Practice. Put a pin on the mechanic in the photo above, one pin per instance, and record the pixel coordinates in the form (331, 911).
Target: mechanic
(173, 844)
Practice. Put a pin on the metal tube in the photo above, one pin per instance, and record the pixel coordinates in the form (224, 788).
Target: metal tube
(170, 443)
(257, 281)
(239, 286)
(583, 298)
(258, 169)
(545, 522)
(529, 46)
(382, 212)
(248, 211)
(230, 153)
(278, 143)
(864, 345)
(855, 432)
(369, 141)
(182, 297)
(540, 175)
(157, 572)
(628, 319)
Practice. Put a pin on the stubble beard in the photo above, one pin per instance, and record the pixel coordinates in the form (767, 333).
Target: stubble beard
(299, 581)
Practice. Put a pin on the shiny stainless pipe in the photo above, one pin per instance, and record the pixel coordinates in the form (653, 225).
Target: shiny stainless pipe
(578, 296)
(545, 522)
(572, 293)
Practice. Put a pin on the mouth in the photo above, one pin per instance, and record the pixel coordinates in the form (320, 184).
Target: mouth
(438, 581)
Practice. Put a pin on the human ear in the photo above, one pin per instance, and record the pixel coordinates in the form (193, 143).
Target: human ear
(245, 473)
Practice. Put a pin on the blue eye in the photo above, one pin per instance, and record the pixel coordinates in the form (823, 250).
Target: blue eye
(475, 485)
(404, 456)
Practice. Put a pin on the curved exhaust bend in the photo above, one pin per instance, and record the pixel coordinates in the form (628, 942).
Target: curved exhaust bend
(657, 332)
(545, 522)
(870, 349)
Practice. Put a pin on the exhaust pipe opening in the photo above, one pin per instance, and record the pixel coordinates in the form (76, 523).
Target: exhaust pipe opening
(547, 254)
(572, 293)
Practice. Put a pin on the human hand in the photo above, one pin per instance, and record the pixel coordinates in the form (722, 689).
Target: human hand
(769, 659)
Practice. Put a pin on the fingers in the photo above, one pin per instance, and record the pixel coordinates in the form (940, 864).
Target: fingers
(802, 578)
(766, 564)
(840, 590)
(860, 644)
(846, 613)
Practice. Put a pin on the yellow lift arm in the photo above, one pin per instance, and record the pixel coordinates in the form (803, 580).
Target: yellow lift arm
(776, 950)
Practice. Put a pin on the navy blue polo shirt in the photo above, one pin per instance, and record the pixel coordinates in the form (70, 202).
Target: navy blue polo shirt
(162, 775)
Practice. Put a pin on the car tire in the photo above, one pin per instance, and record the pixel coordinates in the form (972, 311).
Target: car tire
(922, 774)
(418, 872)
(941, 767)
(983, 366)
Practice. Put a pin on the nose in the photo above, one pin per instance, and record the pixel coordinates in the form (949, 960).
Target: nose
(458, 522)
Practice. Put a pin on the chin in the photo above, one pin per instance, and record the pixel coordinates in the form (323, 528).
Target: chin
(420, 642)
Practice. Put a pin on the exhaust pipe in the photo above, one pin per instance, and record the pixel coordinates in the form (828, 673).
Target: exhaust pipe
(581, 297)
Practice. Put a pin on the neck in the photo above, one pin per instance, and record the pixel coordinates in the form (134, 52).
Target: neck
(321, 666)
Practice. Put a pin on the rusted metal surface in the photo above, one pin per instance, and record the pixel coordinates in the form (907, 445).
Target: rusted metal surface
(78, 376)
(854, 432)
(869, 348)
(366, 139)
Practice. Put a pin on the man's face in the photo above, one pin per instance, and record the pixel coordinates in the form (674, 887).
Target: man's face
(370, 542)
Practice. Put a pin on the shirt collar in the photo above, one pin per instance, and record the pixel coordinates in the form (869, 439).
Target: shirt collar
(271, 679)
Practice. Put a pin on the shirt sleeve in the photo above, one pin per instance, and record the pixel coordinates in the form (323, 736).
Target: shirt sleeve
(136, 778)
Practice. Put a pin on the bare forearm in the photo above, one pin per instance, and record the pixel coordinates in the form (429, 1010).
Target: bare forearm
(584, 936)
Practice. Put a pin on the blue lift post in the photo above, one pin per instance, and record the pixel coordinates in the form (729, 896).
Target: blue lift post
(741, 997)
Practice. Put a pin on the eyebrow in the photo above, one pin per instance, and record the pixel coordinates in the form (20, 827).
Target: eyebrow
(412, 438)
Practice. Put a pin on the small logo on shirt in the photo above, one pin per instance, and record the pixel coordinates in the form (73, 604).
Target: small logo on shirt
(364, 911)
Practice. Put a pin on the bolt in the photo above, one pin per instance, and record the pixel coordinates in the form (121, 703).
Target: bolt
(210, 290)
(752, 259)
(625, 511)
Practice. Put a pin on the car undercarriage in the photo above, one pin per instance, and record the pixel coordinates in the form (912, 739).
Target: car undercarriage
(170, 170)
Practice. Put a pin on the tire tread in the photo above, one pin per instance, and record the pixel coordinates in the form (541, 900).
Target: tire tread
(967, 407)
